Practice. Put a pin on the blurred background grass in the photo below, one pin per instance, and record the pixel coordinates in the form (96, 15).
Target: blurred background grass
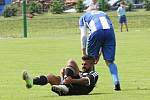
(54, 39)
(49, 25)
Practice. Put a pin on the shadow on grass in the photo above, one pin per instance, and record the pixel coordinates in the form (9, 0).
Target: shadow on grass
(135, 89)
(99, 93)
(56, 96)
(47, 96)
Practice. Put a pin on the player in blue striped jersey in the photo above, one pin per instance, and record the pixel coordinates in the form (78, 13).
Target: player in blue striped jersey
(101, 39)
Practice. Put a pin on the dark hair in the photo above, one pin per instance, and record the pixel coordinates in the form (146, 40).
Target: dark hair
(86, 57)
(122, 2)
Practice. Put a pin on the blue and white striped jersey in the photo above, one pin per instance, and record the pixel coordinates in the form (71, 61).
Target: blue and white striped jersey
(95, 20)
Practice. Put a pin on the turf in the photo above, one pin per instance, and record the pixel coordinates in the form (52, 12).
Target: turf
(48, 55)
(50, 25)
(45, 51)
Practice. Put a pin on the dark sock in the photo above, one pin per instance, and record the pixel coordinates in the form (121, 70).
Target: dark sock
(41, 80)
(69, 71)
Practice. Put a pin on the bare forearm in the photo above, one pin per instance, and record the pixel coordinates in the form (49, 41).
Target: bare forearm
(81, 81)
(83, 37)
(84, 51)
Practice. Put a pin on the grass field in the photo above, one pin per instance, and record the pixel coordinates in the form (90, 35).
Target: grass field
(49, 25)
(48, 54)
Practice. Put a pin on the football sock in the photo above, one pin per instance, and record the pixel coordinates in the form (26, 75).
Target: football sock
(41, 80)
(114, 73)
(69, 71)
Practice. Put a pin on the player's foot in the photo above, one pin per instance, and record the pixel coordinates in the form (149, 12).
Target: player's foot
(60, 89)
(28, 79)
(117, 87)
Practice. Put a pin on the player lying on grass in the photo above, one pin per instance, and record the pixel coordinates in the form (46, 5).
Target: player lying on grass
(72, 81)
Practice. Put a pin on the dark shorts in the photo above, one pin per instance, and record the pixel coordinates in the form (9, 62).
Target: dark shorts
(102, 41)
(79, 89)
(122, 19)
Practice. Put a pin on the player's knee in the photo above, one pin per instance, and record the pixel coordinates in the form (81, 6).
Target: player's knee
(108, 62)
(73, 66)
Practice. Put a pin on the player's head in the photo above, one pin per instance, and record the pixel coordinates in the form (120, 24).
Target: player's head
(87, 63)
(94, 1)
(122, 3)
(92, 7)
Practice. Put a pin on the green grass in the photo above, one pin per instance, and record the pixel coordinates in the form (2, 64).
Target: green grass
(49, 25)
(48, 54)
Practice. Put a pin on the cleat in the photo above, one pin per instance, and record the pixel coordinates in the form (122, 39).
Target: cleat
(117, 87)
(60, 89)
(28, 79)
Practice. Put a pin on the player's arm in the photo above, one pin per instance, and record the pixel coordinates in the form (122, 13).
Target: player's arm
(118, 11)
(88, 80)
(83, 39)
(82, 26)
(81, 81)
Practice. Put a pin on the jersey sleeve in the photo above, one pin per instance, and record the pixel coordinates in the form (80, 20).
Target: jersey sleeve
(92, 77)
(81, 21)
(83, 32)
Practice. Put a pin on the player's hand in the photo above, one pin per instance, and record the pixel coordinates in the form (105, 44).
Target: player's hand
(96, 61)
(68, 80)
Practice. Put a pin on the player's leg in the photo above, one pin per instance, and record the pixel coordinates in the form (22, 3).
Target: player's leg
(54, 80)
(126, 27)
(75, 89)
(40, 80)
(71, 89)
(114, 73)
(121, 26)
(108, 51)
(60, 89)
(28, 79)
(125, 22)
(72, 68)
(94, 44)
(121, 22)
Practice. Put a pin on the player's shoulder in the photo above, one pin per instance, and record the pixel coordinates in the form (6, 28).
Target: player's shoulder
(82, 17)
(93, 73)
